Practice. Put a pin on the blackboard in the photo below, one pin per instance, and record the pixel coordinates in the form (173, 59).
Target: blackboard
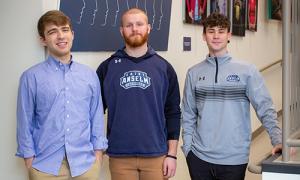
(96, 22)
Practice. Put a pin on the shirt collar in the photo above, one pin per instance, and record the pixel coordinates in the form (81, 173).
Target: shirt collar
(221, 59)
(55, 64)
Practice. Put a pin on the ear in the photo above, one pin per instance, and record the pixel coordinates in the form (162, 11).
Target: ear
(73, 34)
(43, 41)
(228, 36)
(149, 28)
(121, 31)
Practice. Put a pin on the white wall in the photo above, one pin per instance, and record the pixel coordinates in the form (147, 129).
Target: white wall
(20, 49)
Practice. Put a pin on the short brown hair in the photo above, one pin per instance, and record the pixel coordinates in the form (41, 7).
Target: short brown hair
(55, 17)
(133, 11)
(216, 19)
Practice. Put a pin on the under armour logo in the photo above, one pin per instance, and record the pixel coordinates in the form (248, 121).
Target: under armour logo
(117, 61)
(201, 78)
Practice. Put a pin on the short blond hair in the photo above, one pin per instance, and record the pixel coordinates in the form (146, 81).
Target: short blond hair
(134, 11)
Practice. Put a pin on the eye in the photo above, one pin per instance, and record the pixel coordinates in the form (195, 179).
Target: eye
(139, 24)
(51, 32)
(128, 25)
(210, 31)
(65, 29)
(222, 31)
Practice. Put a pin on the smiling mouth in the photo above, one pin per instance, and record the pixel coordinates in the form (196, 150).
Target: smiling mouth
(62, 44)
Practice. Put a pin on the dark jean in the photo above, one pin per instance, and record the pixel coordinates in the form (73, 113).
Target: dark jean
(202, 170)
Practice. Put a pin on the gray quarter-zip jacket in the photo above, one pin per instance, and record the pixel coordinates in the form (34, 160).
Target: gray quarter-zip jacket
(216, 110)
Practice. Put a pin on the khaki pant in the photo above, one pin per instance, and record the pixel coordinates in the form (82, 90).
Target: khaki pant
(136, 168)
(64, 173)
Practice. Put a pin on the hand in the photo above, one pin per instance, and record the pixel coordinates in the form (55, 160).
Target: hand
(28, 162)
(277, 149)
(169, 167)
(99, 155)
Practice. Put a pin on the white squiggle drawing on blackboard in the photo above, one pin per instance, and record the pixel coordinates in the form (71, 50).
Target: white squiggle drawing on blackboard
(106, 14)
(117, 13)
(153, 20)
(146, 7)
(161, 15)
(81, 13)
(95, 12)
(115, 20)
(127, 4)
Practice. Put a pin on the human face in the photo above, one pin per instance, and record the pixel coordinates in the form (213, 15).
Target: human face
(58, 40)
(217, 39)
(135, 29)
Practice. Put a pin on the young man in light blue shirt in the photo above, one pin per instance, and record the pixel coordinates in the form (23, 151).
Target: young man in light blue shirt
(60, 131)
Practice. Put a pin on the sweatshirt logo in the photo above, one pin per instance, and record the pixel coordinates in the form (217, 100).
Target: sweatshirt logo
(233, 78)
(118, 61)
(135, 79)
(201, 78)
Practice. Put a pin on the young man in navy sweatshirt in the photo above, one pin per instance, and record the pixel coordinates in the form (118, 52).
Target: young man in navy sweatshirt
(140, 90)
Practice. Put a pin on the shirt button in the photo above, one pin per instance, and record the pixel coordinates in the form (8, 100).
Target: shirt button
(67, 143)
(68, 102)
(56, 69)
(68, 115)
(68, 129)
(67, 88)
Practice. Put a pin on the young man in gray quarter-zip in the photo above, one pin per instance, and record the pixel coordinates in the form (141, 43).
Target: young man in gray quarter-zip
(216, 109)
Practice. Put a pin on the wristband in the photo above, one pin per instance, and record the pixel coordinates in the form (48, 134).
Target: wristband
(170, 156)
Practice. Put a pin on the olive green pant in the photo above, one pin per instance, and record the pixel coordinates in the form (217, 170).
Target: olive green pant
(64, 173)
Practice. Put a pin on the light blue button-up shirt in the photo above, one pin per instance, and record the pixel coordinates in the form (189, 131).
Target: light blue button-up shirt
(60, 113)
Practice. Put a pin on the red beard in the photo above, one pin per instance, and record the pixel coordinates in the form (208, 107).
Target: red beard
(136, 40)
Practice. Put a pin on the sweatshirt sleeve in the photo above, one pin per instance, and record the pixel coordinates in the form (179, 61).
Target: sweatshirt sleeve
(189, 114)
(263, 105)
(172, 106)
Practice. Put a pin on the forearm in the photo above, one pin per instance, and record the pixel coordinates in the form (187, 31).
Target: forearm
(172, 147)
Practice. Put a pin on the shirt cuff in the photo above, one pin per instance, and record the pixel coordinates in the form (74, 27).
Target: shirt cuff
(185, 150)
(100, 143)
(26, 154)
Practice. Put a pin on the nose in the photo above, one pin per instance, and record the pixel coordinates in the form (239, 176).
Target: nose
(60, 34)
(134, 27)
(216, 35)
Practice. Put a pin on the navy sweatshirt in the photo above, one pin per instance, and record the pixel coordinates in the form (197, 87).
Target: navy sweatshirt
(142, 98)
